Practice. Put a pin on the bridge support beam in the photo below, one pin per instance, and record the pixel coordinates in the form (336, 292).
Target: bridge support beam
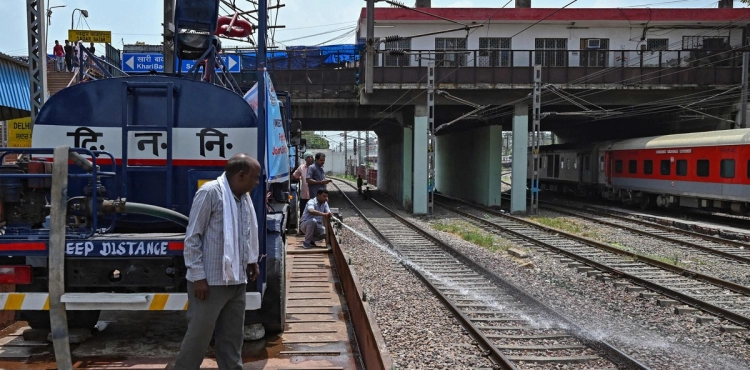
(421, 132)
(469, 165)
(408, 151)
(520, 154)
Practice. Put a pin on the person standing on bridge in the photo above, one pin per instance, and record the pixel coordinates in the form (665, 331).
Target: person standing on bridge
(221, 251)
(312, 219)
(304, 190)
(316, 175)
(59, 57)
(68, 55)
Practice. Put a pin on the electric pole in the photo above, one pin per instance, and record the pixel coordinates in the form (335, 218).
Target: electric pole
(430, 135)
(35, 28)
(346, 155)
(536, 137)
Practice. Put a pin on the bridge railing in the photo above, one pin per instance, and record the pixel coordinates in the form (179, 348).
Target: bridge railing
(320, 83)
(491, 67)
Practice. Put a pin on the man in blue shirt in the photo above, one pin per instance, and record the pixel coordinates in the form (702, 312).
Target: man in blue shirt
(312, 219)
(316, 175)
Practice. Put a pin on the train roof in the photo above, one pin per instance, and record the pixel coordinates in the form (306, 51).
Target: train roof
(710, 138)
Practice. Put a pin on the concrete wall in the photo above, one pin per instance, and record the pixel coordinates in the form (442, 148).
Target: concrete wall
(390, 158)
(466, 167)
(334, 160)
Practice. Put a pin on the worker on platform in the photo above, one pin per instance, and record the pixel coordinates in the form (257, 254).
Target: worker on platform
(304, 190)
(312, 219)
(359, 184)
(221, 252)
(316, 175)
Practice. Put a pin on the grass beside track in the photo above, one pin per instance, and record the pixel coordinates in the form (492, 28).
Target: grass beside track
(474, 235)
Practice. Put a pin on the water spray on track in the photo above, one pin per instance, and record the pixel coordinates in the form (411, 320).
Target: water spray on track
(449, 283)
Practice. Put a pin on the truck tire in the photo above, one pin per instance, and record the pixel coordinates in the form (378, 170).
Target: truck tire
(272, 313)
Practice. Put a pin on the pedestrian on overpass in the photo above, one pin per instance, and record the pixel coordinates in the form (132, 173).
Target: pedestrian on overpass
(221, 252)
(312, 219)
(59, 53)
(304, 190)
(68, 55)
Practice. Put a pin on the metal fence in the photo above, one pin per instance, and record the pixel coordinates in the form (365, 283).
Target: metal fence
(590, 66)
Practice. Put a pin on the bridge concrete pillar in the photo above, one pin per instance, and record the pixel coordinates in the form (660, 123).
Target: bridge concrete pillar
(421, 130)
(520, 154)
(494, 166)
(407, 177)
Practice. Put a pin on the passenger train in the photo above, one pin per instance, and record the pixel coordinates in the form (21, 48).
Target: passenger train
(706, 170)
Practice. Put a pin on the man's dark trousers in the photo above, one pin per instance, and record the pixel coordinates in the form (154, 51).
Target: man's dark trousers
(222, 314)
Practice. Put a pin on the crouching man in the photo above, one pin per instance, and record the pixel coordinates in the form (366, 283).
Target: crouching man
(312, 218)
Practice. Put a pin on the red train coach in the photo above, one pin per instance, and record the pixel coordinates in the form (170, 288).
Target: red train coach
(697, 170)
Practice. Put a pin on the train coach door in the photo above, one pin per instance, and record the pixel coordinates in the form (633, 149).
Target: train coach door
(608, 167)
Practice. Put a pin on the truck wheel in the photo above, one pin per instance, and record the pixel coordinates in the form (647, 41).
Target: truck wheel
(272, 313)
(76, 319)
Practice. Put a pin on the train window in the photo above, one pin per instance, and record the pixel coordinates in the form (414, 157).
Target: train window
(727, 168)
(618, 166)
(648, 167)
(702, 168)
(632, 166)
(575, 164)
(601, 163)
(682, 167)
(665, 167)
(587, 163)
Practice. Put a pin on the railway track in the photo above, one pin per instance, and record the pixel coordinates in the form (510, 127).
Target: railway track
(727, 249)
(514, 328)
(719, 297)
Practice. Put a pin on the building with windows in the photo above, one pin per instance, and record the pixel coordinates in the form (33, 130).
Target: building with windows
(520, 37)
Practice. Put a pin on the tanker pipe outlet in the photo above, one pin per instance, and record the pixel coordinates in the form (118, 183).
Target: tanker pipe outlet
(81, 162)
(121, 206)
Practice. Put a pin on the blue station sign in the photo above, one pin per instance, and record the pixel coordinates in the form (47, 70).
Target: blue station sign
(142, 62)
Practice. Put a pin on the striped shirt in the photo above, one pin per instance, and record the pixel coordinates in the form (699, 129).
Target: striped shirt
(204, 239)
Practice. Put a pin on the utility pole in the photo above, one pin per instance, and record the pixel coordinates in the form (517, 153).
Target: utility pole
(35, 28)
(536, 137)
(346, 154)
(370, 55)
(168, 33)
(430, 136)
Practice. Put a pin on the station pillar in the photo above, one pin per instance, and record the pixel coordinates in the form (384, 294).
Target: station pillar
(406, 188)
(495, 166)
(520, 155)
(420, 170)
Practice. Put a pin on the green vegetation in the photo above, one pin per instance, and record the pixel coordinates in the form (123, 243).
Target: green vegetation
(474, 235)
(567, 226)
(315, 141)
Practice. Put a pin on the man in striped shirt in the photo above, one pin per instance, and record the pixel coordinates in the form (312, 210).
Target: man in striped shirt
(216, 306)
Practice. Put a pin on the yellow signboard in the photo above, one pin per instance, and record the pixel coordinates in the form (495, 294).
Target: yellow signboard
(19, 133)
(90, 36)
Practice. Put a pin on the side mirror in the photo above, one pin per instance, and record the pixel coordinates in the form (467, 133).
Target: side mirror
(295, 133)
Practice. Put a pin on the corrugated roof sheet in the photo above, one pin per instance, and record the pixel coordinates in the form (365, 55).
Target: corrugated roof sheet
(15, 98)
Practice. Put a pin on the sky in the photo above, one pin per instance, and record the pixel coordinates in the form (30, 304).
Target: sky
(308, 22)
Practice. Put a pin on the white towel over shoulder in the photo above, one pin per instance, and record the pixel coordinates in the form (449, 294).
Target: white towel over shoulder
(237, 254)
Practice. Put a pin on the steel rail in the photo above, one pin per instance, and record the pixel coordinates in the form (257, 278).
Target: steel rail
(718, 311)
(623, 215)
(611, 353)
(717, 252)
(494, 353)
